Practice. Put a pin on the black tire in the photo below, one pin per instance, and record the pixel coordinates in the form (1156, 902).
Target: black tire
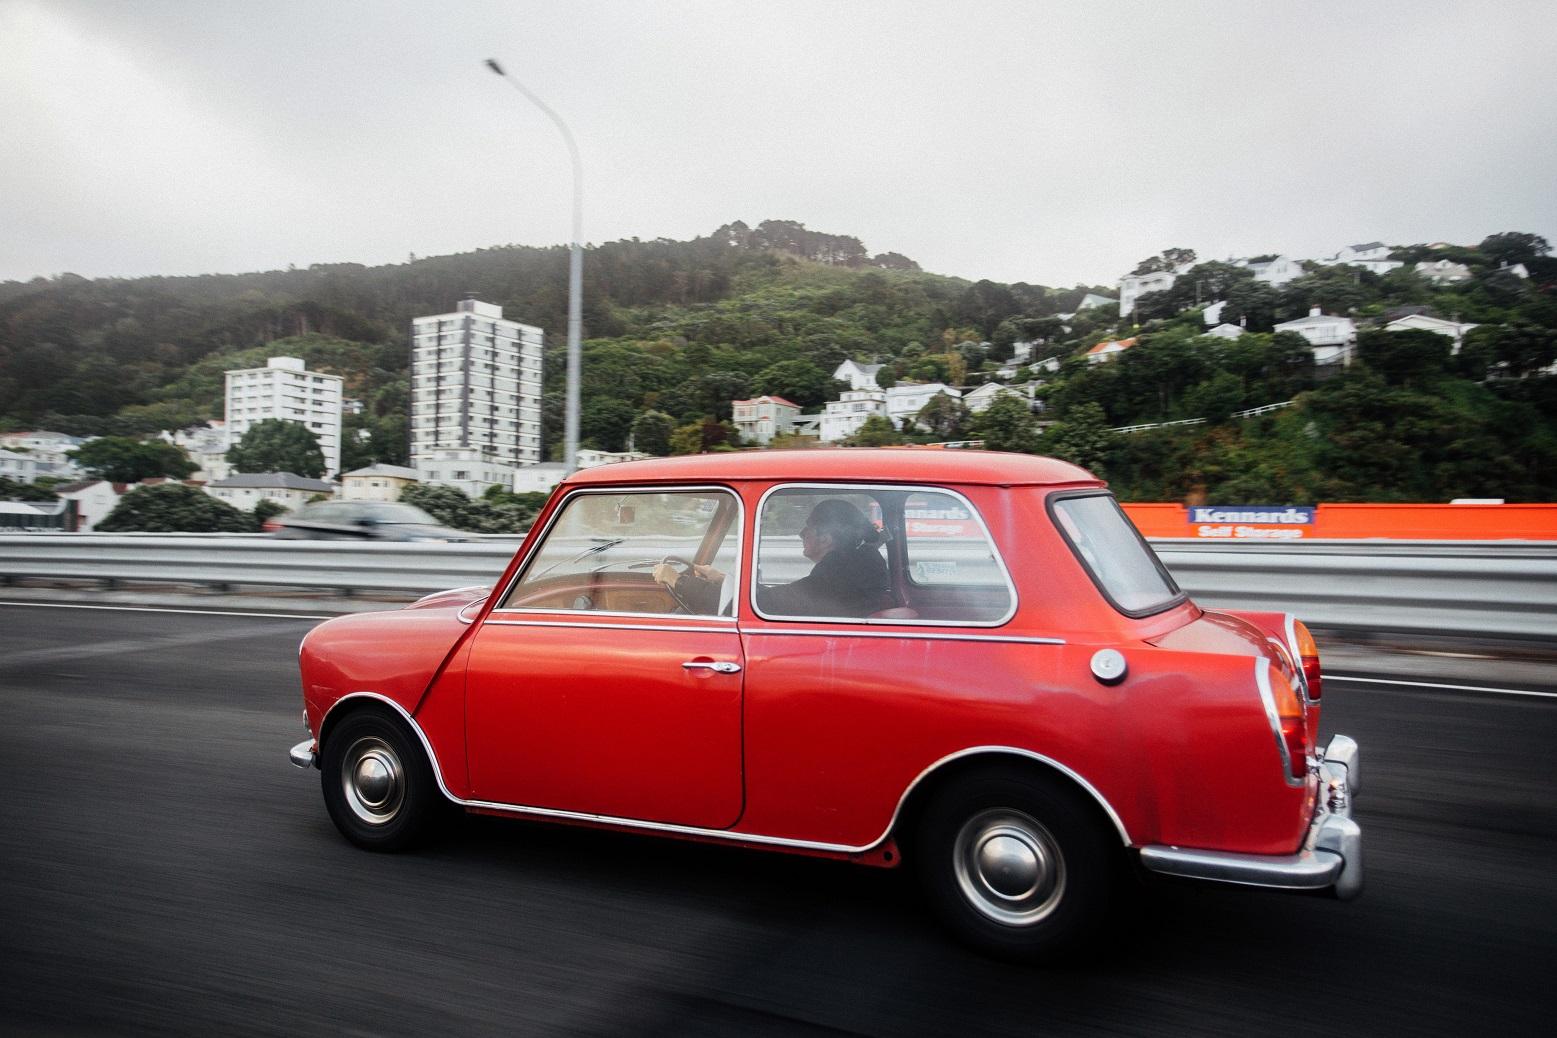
(378, 784)
(1017, 866)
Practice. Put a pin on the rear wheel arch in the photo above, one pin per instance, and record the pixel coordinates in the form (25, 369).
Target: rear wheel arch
(961, 767)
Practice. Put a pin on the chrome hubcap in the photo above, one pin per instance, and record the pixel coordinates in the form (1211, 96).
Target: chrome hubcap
(373, 780)
(1009, 867)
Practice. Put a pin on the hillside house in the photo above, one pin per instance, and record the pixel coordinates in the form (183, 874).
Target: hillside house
(1443, 272)
(859, 376)
(1331, 337)
(1105, 351)
(376, 483)
(904, 402)
(843, 417)
(761, 418)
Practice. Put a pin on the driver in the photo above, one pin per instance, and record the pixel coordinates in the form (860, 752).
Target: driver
(849, 577)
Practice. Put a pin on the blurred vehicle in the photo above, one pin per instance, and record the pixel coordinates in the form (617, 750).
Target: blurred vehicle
(1017, 700)
(361, 521)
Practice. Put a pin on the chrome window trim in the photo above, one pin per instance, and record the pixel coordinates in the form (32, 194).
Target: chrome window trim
(1268, 697)
(1018, 639)
(529, 559)
(687, 628)
(726, 834)
(978, 518)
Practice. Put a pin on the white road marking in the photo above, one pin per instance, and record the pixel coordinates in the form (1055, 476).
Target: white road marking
(157, 609)
(1452, 688)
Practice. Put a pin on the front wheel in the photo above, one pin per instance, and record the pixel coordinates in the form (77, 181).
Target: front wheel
(378, 785)
(1015, 866)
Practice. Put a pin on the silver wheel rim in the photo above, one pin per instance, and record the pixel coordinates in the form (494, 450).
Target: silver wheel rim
(1009, 867)
(373, 780)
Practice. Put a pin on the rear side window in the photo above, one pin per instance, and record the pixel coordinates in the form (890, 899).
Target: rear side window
(1121, 563)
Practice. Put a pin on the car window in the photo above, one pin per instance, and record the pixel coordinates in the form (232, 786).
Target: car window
(602, 551)
(1120, 561)
(892, 554)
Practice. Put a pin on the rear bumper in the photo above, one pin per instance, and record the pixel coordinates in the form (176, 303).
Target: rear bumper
(1331, 855)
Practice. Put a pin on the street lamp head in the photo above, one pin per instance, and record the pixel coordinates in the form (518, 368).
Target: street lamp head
(495, 67)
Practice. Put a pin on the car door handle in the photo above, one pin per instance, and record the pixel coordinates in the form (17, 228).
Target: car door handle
(721, 666)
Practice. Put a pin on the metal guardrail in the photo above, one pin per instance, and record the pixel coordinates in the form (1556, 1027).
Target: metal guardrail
(1485, 588)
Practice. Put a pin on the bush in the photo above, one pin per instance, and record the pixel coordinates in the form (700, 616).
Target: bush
(174, 508)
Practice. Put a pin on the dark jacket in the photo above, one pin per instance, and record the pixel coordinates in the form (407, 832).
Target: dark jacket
(846, 582)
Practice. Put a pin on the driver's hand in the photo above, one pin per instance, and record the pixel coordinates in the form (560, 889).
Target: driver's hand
(666, 574)
(709, 574)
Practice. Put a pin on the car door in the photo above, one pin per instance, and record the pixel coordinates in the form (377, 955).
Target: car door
(592, 689)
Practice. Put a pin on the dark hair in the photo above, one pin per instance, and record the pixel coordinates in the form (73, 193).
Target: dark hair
(845, 524)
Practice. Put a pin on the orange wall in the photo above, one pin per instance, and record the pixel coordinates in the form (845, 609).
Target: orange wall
(1395, 522)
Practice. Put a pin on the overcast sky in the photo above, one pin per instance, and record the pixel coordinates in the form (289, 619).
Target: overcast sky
(1053, 143)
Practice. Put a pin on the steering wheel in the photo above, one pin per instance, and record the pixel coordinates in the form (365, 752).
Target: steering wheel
(686, 565)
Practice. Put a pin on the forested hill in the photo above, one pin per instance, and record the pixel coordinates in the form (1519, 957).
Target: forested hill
(132, 356)
(676, 330)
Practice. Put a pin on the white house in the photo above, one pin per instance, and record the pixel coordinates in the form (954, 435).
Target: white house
(49, 449)
(1453, 329)
(471, 469)
(94, 499)
(1331, 337)
(843, 417)
(539, 478)
(19, 467)
(1275, 270)
(588, 457)
(206, 446)
(1134, 286)
(859, 376)
(1225, 331)
(979, 399)
(1519, 270)
(1443, 272)
(1373, 255)
(1092, 300)
(760, 419)
(376, 483)
(1105, 351)
(248, 489)
(904, 402)
(1212, 315)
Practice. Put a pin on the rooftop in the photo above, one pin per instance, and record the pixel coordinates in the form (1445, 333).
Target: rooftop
(846, 464)
(272, 480)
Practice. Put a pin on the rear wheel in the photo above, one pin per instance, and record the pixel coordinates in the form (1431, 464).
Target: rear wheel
(1016, 866)
(378, 785)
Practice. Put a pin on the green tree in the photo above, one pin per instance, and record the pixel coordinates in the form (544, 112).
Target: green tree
(12, 490)
(275, 445)
(1513, 247)
(876, 431)
(1168, 259)
(944, 417)
(174, 508)
(651, 432)
(265, 510)
(1405, 357)
(605, 423)
(123, 459)
(1084, 439)
(702, 436)
(1006, 425)
(799, 381)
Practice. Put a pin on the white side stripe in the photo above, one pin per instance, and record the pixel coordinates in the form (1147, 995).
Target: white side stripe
(1451, 688)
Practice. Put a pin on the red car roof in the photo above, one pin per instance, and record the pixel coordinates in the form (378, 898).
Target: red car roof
(861, 464)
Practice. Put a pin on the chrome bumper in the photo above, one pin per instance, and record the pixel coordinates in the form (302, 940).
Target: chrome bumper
(1331, 856)
(302, 755)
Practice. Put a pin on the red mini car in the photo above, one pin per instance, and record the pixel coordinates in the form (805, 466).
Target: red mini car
(967, 661)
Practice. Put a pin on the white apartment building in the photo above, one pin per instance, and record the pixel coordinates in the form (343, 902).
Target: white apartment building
(760, 419)
(904, 402)
(1330, 336)
(475, 387)
(843, 417)
(284, 389)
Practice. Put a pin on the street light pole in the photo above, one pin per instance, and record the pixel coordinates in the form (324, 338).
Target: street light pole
(575, 272)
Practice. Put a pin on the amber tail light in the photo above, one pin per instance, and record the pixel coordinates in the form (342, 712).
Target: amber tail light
(1308, 657)
(1288, 720)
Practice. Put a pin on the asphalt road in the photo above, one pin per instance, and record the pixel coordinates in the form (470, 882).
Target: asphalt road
(164, 870)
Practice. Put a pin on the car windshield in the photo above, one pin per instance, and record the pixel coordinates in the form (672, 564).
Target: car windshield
(1120, 561)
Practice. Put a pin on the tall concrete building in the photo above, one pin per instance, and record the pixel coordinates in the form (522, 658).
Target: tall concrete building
(475, 389)
(284, 389)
